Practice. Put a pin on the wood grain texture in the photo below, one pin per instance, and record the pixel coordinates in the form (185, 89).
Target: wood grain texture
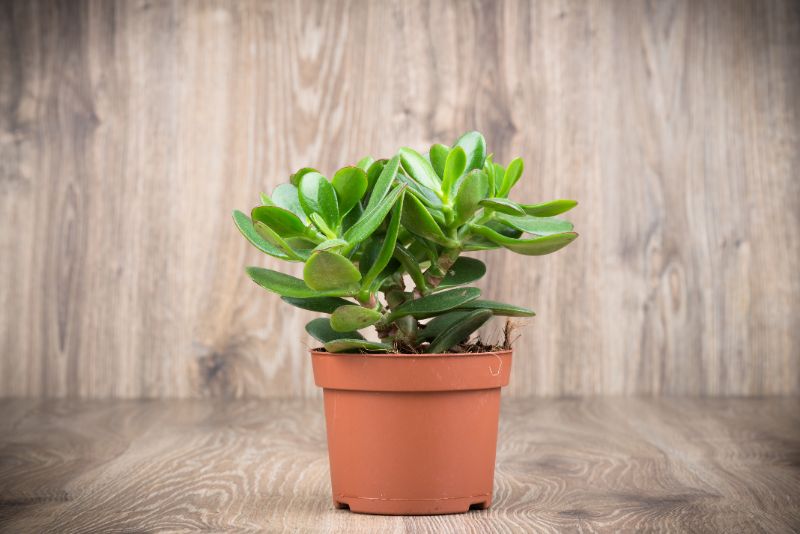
(599, 465)
(130, 130)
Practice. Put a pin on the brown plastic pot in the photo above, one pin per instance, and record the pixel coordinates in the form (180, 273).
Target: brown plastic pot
(412, 434)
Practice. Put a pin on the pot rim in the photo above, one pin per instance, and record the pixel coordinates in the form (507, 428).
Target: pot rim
(412, 355)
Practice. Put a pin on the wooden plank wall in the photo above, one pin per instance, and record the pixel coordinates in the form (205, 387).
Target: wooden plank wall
(130, 130)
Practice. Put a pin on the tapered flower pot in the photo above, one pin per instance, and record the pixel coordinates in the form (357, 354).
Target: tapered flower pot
(412, 434)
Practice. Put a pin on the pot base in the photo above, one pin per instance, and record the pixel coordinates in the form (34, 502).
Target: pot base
(459, 505)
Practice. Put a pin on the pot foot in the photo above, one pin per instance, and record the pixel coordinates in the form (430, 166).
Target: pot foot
(460, 505)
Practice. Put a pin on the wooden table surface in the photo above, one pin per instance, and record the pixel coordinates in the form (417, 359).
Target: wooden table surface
(576, 465)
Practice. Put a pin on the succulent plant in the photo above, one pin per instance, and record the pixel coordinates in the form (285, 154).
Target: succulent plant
(382, 242)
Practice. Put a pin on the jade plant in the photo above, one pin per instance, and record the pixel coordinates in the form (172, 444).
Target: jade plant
(382, 243)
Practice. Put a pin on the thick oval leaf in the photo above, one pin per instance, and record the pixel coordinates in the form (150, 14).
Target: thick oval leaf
(537, 225)
(298, 176)
(317, 304)
(282, 221)
(499, 174)
(372, 218)
(245, 226)
(537, 246)
(549, 209)
(438, 156)
(387, 248)
(453, 169)
(272, 237)
(265, 200)
(344, 345)
(327, 270)
(419, 169)
(320, 329)
(353, 317)
(318, 196)
(384, 182)
(286, 285)
(471, 192)
(435, 304)
(350, 183)
(428, 197)
(365, 162)
(499, 308)
(488, 168)
(286, 197)
(373, 172)
(464, 271)
(459, 331)
(503, 205)
(417, 220)
(512, 176)
(440, 323)
(474, 146)
(334, 245)
(323, 227)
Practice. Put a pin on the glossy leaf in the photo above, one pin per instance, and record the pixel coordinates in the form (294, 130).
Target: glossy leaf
(549, 209)
(318, 196)
(387, 248)
(453, 169)
(373, 172)
(273, 238)
(464, 271)
(419, 169)
(327, 271)
(438, 157)
(511, 177)
(245, 226)
(285, 196)
(365, 162)
(435, 303)
(488, 168)
(317, 304)
(425, 195)
(384, 182)
(499, 174)
(412, 267)
(474, 146)
(353, 317)
(471, 192)
(298, 176)
(503, 205)
(537, 225)
(323, 227)
(440, 323)
(459, 331)
(418, 220)
(350, 184)
(537, 246)
(372, 218)
(499, 308)
(286, 285)
(321, 330)
(344, 345)
(282, 221)
(334, 245)
(266, 201)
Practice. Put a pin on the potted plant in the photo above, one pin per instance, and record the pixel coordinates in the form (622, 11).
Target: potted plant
(412, 414)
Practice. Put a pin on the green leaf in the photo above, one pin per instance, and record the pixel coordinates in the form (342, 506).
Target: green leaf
(435, 304)
(453, 169)
(473, 189)
(285, 196)
(318, 196)
(317, 304)
(464, 271)
(372, 218)
(512, 176)
(321, 330)
(418, 220)
(286, 285)
(323, 227)
(384, 182)
(537, 246)
(272, 237)
(387, 248)
(419, 169)
(365, 162)
(298, 176)
(327, 271)
(373, 172)
(474, 146)
(499, 175)
(459, 331)
(438, 156)
(503, 205)
(350, 183)
(440, 323)
(282, 221)
(265, 200)
(499, 308)
(334, 245)
(353, 317)
(245, 226)
(342, 345)
(488, 168)
(411, 266)
(549, 209)
(537, 225)
(428, 197)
